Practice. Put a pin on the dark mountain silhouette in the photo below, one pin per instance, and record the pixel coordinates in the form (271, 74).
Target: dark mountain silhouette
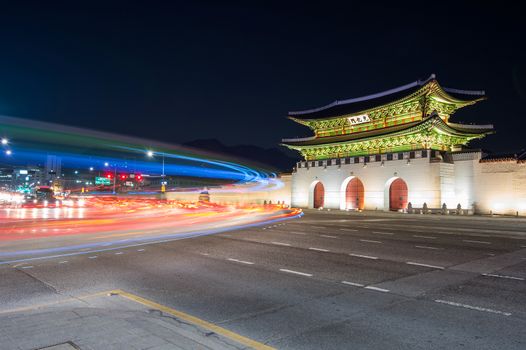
(280, 159)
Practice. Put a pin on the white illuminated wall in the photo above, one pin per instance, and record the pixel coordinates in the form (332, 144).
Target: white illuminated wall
(482, 187)
(422, 178)
(500, 187)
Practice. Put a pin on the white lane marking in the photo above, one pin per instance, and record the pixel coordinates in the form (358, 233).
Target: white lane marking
(348, 229)
(298, 233)
(471, 241)
(296, 272)
(205, 254)
(353, 284)
(478, 308)
(369, 241)
(63, 262)
(27, 267)
(377, 289)
(523, 246)
(280, 243)
(425, 265)
(319, 249)
(92, 257)
(426, 237)
(383, 233)
(427, 247)
(503, 276)
(320, 227)
(364, 256)
(140, 250)
(328, 236)
(241, 261)
(118, 253)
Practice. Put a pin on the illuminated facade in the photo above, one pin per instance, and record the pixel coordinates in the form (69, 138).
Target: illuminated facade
(395, 149)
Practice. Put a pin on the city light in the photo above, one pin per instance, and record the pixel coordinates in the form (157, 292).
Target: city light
(5, 141)
(8, 152)
(149, 154)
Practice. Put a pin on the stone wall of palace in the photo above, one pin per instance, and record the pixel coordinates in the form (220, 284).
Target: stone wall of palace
(422, 176)
(499, 187)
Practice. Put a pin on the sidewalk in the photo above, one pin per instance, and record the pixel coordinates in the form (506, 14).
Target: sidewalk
(107, 321)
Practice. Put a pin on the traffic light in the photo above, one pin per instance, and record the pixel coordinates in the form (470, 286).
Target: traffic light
(138, 177)
(123, 176)
(109, 176)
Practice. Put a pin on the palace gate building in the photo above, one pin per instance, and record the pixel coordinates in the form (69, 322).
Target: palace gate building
(400, 146)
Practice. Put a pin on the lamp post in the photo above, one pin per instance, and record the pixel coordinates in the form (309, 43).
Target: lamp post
(150, 154)
(106, 164)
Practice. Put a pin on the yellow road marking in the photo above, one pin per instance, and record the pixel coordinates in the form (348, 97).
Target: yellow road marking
(197, 321)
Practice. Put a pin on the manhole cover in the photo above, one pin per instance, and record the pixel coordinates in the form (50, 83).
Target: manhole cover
(62, 346)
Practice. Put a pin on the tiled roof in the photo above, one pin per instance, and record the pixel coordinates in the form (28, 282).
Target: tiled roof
(355, 105)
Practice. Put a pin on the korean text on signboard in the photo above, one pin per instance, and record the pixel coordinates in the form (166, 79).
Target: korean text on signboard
(359, 119)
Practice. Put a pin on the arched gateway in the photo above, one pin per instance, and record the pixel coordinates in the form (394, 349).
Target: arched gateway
(398, 195)
(354, 194)
(319, 195)
(377, 137)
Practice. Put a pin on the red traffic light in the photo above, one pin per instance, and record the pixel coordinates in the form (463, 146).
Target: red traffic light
(123, 177)
(109, 176)
(139, 177)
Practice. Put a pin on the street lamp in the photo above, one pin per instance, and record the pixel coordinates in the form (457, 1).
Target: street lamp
(150, 154)
(5, 141)
(8, 152)
(106, 164)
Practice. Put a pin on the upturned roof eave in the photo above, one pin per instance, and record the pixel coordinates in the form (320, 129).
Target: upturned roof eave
(423, 90)
(435, 122)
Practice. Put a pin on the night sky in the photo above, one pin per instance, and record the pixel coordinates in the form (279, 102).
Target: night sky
(183, 71)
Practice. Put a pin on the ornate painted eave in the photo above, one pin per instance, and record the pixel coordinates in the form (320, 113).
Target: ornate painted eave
(433, 123)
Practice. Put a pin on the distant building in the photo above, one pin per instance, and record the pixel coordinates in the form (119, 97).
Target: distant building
(53, 167)
(6, 179)
(398, 147)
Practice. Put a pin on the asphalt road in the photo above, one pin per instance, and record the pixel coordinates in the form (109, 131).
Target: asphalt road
(325, 281)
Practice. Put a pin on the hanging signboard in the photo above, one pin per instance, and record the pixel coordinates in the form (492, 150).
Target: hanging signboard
(359, 119)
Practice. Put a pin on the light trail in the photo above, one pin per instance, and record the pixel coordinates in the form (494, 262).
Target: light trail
(105, 225)
(34, 230)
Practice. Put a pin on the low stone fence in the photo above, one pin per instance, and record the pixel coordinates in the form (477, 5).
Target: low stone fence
(444, 210)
